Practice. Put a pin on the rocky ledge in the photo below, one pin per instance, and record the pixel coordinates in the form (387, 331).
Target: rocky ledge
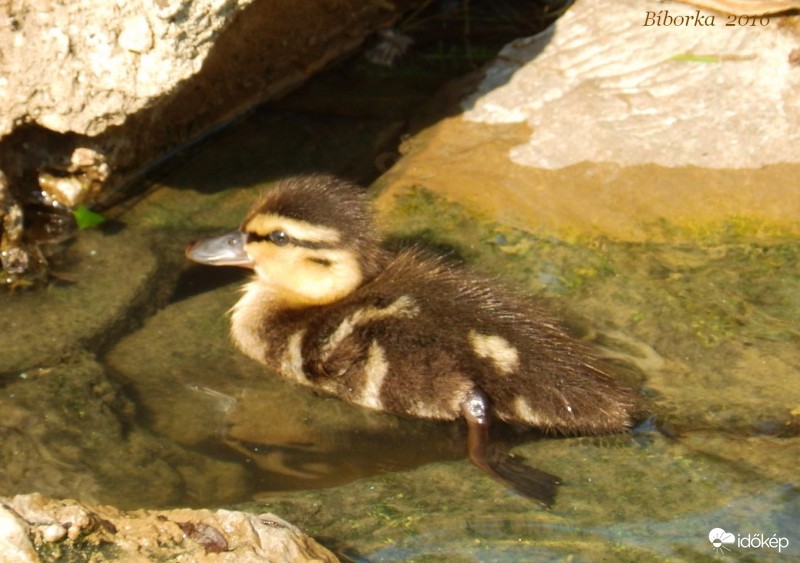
(33, 525)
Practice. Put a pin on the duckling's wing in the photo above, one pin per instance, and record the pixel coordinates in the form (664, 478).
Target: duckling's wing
(556, 383)
(532, 371)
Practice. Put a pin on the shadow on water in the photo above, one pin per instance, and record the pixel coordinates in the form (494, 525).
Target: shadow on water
(196, 279)
(349, 120)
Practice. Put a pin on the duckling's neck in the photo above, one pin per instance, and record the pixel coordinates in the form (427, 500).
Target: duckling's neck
(248, 316)
(263, 300)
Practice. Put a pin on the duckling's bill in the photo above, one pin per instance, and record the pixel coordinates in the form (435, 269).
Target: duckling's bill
(225, 250)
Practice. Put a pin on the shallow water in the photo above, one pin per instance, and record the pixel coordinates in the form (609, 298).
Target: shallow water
(131, 393)
(708, 330)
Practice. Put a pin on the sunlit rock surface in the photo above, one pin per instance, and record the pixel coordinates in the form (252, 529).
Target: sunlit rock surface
(607, 127)
(86, 66)
(94, 93)
(59, 528)
(648, 93)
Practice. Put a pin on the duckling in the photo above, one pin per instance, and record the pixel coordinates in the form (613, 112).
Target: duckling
(405, 332)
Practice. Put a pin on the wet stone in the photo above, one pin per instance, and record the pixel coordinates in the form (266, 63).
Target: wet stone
(629, 499)
(69, 431)
(87, 307)
(104, 533)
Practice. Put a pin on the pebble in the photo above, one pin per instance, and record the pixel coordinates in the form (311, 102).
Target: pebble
(54, 533)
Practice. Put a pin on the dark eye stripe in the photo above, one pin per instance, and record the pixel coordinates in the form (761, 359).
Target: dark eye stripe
(255, 237)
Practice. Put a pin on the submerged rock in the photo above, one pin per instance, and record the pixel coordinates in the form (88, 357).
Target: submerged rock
(39, 329)
(61, 528)
(69, 431)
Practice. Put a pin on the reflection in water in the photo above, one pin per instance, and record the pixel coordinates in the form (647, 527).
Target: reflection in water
(301, 448)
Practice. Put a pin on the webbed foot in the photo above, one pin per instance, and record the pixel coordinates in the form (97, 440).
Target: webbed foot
(526, 480)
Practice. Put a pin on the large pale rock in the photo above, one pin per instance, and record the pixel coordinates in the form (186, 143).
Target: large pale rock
(651, 92)
(94, 93)
(646, 133)
(85, 66)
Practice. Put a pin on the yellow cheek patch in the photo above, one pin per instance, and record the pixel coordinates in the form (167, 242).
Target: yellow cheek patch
(265, 223)
(298, 278)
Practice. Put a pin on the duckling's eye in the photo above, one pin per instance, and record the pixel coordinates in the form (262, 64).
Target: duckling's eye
(279, 238)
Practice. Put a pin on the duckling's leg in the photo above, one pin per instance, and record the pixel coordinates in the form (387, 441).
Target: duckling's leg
(527, 481)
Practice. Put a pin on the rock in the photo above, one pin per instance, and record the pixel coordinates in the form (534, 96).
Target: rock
(14, 543)
(84, 67)
(68, 431)
(147, 535)
(131, 83)
(39, 328)
(649, 133)
(672, 104)
(136, 34)
(647, 497)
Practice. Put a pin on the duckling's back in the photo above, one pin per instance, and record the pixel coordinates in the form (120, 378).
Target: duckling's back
(418, 337)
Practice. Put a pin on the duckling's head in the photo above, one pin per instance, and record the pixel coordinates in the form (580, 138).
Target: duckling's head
(310, 240)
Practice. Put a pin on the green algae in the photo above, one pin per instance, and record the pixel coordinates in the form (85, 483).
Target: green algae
(719, 290)
(86, 218)
(78, 552)
(537, 263)
(731, 228)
